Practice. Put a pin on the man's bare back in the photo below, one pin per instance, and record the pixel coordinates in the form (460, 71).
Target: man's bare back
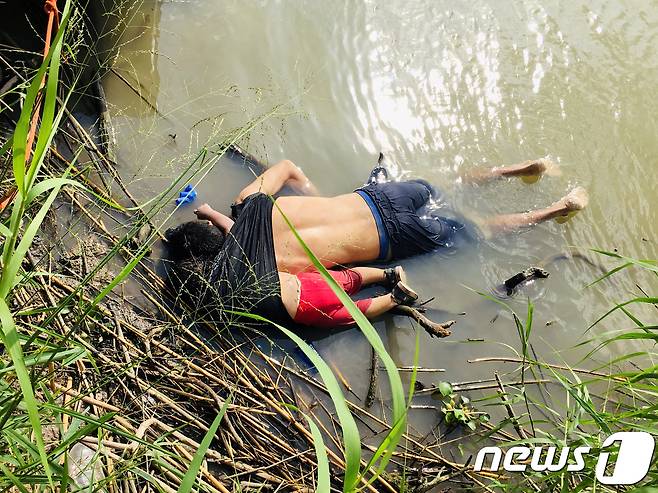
(339, 230)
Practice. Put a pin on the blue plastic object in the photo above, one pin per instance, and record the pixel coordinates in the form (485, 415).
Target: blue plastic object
(187, 195)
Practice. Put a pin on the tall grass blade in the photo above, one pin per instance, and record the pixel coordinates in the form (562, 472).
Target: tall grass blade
(187, 483)
(351, 437)
(323, 478)
(51, 65)
(47, 130)
(647, 264)
(16, 258)
(397, 391)
(387, 441)
(584, 404)
(609, 273)
(18, 484)
(49, 184)
(642, 299)
(6, 146)
(11, 341)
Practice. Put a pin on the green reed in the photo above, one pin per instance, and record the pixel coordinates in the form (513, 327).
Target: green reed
(24, 460)
(18, 239)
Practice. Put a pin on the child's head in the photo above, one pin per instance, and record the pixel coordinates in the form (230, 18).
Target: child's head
(192, 247)
(194, 240)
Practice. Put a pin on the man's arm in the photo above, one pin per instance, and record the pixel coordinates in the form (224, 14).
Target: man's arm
(205, 212)
(282, 173)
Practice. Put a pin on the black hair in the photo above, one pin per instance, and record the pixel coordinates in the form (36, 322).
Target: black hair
(194, 240)
(191, 249)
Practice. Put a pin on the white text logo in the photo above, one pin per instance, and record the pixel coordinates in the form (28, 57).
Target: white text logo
(631, 466)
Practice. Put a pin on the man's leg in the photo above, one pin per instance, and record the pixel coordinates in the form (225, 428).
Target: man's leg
(576, 200)
(532, 168)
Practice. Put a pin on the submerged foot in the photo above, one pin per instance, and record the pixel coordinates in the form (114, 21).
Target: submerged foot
(531, 171)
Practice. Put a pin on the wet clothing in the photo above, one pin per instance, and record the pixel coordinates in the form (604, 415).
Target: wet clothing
(405, 226)
(244, 276)
(318, 304)
(384, 241)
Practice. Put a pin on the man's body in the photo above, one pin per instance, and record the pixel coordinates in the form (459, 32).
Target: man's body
(257, 264)
(342, 229)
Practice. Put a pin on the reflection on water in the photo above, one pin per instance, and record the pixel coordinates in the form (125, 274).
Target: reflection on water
(134, 54)
(441, 87)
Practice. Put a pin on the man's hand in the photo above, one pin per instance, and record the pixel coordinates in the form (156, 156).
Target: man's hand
(205, 212)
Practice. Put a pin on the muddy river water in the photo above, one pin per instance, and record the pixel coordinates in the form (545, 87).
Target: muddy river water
(440, 87)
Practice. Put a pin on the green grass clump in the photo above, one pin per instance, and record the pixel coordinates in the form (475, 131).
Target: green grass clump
(18, 239)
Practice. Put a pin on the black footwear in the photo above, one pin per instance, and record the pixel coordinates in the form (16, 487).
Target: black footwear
(393, 276)
(403, 294)
(379, 174)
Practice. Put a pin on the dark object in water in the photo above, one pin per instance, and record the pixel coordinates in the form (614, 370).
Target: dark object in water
(236, 152)
(434, 329)
(514, 283)
(378, 173)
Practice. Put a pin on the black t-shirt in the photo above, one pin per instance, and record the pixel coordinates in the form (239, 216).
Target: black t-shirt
(244, 275)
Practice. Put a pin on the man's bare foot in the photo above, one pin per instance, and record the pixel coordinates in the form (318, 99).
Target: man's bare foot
(531, 171)
(574, 201)
(529, 168)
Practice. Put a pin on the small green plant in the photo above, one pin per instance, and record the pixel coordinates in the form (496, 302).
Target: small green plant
(618, 396)
(457, 410)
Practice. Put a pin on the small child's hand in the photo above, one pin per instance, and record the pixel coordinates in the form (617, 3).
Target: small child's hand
(204, 212)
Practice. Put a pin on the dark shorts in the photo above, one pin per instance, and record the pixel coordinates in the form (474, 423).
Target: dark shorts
(406, 225)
